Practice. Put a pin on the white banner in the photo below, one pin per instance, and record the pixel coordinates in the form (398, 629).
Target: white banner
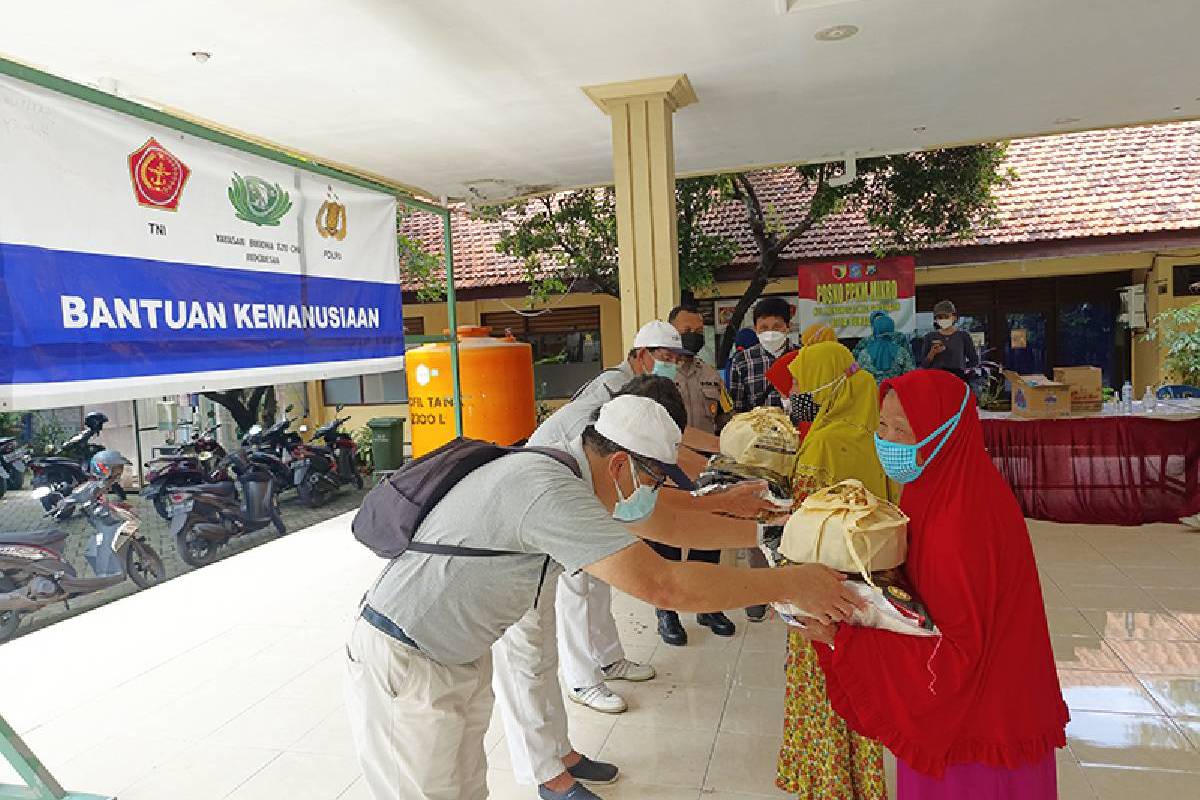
(136, 260)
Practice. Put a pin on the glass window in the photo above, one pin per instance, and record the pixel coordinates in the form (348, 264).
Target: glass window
(1086, 337)
(343, 391)
(1025, 348)
(376, 389)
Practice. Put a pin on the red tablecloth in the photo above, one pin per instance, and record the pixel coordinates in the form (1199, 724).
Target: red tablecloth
(1101, 470)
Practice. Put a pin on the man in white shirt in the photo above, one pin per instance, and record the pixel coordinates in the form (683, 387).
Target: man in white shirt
(419, 658)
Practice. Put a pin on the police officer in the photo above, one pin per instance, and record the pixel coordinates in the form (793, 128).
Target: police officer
(708, 408)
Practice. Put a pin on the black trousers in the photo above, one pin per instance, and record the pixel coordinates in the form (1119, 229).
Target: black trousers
(672, 553)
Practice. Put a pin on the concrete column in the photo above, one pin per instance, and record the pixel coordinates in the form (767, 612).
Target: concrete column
(644, 173)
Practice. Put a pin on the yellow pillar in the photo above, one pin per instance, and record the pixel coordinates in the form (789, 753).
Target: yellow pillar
(644, 173)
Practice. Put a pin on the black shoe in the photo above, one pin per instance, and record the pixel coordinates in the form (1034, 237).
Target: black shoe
(576, 792)
(756, 613)
(670, 629)
(594, 772)
(720, 624)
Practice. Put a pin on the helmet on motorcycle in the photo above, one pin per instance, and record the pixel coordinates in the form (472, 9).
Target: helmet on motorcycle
(95, 420)
(109, 464)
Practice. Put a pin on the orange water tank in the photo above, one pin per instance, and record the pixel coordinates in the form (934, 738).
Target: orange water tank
(496, 376)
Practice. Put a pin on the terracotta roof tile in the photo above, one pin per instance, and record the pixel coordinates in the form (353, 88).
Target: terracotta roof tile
(1098, 183)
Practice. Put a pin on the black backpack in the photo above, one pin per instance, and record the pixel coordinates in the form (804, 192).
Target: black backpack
(392, 512)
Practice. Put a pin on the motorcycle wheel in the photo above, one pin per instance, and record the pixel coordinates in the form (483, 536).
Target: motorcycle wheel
(160, 505)
(311, 496)
(194, 551)
(143, 565)
(10, 621)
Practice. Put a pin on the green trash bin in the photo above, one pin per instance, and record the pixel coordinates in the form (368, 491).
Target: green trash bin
(387, 444)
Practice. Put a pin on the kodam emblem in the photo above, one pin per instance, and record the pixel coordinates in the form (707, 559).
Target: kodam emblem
(254, 200)
(158, 176)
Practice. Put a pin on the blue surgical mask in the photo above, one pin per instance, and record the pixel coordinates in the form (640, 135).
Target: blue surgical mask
(900, 460)
(665, 369)
(639, 505)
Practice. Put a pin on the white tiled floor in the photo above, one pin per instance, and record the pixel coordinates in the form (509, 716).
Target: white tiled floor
(225, 683)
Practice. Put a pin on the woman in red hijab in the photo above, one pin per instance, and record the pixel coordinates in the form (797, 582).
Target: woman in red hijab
(976, 712)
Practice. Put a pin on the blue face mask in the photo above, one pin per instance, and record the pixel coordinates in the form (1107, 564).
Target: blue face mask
(639, 505)
(900, 460)
(665, 369)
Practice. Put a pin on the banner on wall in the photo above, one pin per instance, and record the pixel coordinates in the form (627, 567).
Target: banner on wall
(844, 294)
(136, 260)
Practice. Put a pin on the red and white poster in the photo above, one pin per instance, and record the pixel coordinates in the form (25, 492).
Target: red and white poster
(844, 294)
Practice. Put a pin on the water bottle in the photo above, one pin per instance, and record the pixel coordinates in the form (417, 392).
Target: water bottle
(1149, 400)
(1127, 398)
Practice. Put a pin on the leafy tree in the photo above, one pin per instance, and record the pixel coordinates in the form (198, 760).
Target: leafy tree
(248, 407)
(569, 240)
(1177, 332)
(910, 200)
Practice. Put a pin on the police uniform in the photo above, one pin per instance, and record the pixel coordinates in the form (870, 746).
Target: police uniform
(704, 396)
(708, 407)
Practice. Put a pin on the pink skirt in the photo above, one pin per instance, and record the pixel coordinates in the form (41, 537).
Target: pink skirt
(1037, 781)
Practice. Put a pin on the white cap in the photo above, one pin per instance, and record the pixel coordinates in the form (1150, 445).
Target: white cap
(643, 427)
(659, 335)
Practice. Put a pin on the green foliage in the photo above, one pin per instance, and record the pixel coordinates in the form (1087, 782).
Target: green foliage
(362, 438)
(571, 238)
(911, 200)
(1177, 331)
(10, 423)
(425, 270)
(48, 434)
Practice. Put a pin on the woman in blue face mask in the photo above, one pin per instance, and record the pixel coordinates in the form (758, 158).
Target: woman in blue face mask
(978, 711)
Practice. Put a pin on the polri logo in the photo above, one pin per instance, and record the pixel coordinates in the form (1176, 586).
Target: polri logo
(331, 218)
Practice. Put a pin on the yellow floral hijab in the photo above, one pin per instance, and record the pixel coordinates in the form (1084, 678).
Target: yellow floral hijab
(841, 442)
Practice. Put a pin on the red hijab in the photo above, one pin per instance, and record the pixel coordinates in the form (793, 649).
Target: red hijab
(987, 692)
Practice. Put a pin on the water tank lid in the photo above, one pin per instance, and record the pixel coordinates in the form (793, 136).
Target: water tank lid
(471, 332)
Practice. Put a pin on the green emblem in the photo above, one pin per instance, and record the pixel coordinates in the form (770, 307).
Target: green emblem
(257, 201)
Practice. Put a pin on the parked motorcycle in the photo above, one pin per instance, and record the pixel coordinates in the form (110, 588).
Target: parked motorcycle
(272, 449)
(67, 466)
(194, 464)
(14, 463)
(34, 572)
(320, 470)
(206, 516)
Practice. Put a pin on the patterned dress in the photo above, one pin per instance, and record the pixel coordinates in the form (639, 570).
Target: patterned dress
(820, 758)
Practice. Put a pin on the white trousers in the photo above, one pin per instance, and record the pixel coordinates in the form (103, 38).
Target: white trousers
(418, 725)
(587, 632)
(528, 693)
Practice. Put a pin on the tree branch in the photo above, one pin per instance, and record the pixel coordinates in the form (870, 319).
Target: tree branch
(743, 190)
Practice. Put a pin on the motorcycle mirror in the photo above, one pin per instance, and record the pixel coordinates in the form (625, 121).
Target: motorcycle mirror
(40, 492)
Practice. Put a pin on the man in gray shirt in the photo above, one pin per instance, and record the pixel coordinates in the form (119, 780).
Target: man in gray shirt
(419, 660)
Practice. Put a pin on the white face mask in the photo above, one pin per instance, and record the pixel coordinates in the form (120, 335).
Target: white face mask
(944, 323)
(772, 341)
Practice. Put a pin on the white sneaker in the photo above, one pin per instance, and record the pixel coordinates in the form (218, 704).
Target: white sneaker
(599, 698)
(626, 670)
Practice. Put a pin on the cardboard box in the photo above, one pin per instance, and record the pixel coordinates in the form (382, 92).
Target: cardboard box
(1086, 387)
(1038, 397)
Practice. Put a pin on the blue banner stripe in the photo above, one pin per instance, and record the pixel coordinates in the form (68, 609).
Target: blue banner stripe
(129, 317)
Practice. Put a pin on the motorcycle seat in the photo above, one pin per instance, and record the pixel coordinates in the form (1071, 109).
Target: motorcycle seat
(71, 462)
(173, 458)
(224, 488)
(317, 448)
(35, 538)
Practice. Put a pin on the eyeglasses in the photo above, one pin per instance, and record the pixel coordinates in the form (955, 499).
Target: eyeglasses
(658, 478)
